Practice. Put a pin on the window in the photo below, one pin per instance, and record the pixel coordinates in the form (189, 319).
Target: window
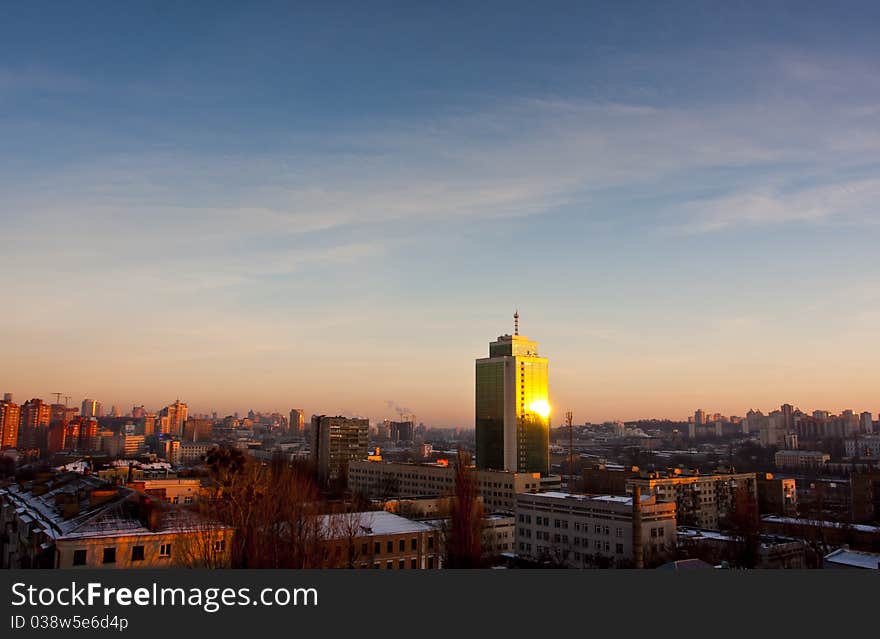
(187, 500)
(430, 542)
(390, 546)
(430, 563)
(137, 553)
(389, 565)
(109, 556)
(165, 550)
(413, 563)
(79, 557)
(659, 532)
(619, 549)
(220, 546)
(401, 564)
(402, 545)
(364, 548)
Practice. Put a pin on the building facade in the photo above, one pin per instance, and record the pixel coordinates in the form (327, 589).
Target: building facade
(704, 501)
(69, 520)
(512, 413)
(582, 531)
(498, 489)
(335, 443)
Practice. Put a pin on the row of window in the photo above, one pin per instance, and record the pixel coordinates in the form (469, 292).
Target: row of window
(401, 564)
(599, 546)
(80, 557)
(389, 545)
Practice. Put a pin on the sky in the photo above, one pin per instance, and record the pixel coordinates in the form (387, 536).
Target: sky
(336, 206)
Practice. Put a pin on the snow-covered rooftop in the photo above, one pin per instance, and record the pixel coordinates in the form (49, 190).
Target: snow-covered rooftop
(843, 557)
(374, 523)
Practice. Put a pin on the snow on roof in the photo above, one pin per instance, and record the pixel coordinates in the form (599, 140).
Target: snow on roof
(379, 522)
(776, 519)
(611, 499)
(854, 559)
(116, 514)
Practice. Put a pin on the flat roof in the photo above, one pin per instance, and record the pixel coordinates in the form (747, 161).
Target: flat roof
(854, 558)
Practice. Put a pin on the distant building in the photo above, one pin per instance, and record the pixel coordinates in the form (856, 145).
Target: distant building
(581, 531)
(776, 495)
(773, 551)
(607, 479)
(198, 430)
(91, 408)
(867, 447)
(123, 445)
(497, 488)
(169, 491)
(801, 459)
(512, 414)
(335, 442)
(865, 496)
(189, 452)
(33, 422)
(172, 418)
(171, 450)
(10, 414)
(701, 500)
(867, 422)
(297, 423)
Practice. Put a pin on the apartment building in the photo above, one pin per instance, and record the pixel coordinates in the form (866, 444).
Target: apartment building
(380, 540)
(582, 531)
(701, 500)
(69, 520)
(391, 479)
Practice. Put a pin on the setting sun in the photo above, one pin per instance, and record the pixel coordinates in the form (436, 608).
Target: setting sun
(540, 407)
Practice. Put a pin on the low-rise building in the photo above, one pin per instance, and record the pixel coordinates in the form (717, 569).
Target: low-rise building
(170, 491)
(801, 459)
(867, 447)
(70, 520)
(581, 531)
(380, 540)
(848, 559)
(391, 479)
(701, 500)
(776, 495)
(770, 551)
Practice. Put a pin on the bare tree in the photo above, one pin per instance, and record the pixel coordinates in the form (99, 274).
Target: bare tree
(464, 541)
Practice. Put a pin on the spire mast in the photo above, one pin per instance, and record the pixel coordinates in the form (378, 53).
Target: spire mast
(516, 322)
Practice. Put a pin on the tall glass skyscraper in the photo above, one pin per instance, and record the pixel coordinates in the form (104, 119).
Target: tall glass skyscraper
(512, 417)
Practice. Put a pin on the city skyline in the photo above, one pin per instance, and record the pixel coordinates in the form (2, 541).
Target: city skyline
(333, 207)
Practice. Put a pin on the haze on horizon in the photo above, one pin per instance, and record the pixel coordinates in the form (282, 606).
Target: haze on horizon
(337, 208)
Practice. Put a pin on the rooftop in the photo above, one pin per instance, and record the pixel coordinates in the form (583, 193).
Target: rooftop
(843, 557)
(375, 523)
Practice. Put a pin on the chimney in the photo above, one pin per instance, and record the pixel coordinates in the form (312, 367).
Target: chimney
(638, 548)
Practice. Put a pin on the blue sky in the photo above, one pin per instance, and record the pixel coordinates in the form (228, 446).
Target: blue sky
(337, 207)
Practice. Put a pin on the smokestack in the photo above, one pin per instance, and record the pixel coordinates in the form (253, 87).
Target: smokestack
(638, 548)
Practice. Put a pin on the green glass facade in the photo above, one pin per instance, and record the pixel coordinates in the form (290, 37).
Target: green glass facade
(490, 414)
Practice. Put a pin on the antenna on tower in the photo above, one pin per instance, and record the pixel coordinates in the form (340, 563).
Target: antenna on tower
(516, 322)
(57, 397)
